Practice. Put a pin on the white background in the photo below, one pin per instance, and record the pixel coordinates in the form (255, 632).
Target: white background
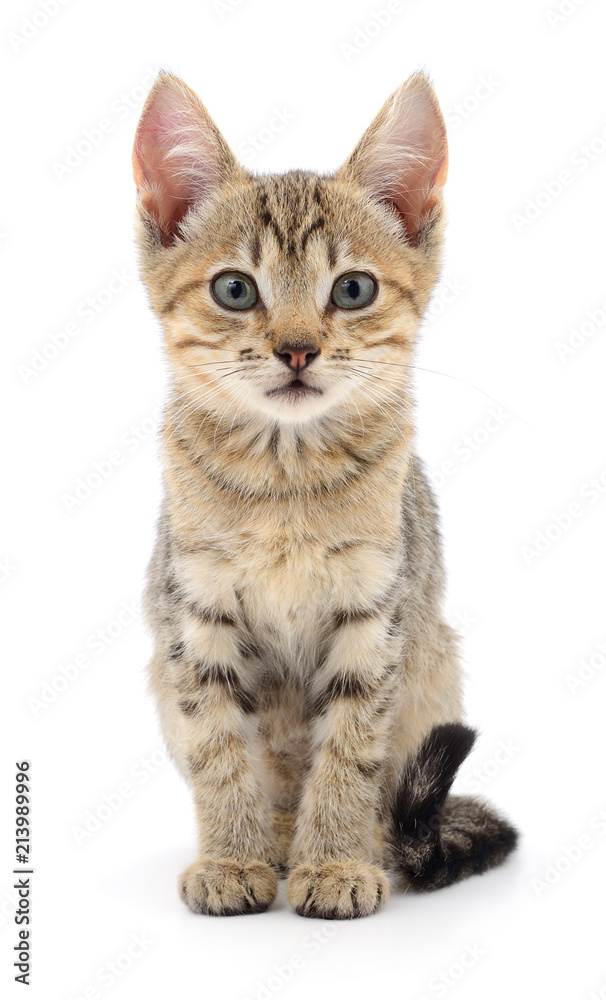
(517, 286)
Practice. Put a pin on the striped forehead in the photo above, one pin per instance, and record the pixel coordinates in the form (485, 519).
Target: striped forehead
(290, 210)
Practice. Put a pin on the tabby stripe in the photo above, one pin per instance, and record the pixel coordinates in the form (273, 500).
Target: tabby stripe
(183, 290)
(196, 763)
(273, 442)
(389, 341)
(340, 686)
(377, 693)
(343, 546)
(331, 251)
(405, 292)
(271, 223)
(248, 649)
(395, 624)
(346, 617)
(316, 225)
(195, 342)
(192, 550)
(216, 749)
(368, 769)
(255, 249)
(358, 459)
(212, 617)
(227, 678)
(246, 493)
(188, 707)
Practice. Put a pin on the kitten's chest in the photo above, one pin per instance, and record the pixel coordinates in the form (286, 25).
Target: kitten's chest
(288, 584)
(285, 597)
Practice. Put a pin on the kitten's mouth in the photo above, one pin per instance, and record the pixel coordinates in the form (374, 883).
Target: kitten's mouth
(294, 389)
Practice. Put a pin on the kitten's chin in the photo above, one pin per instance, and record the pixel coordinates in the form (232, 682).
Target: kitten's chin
(294, 393)
(294, 403)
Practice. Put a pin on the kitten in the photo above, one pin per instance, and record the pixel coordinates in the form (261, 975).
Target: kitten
(308, 687)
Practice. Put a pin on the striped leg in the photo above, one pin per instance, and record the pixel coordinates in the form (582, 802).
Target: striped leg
(236, 868)
(334, 870)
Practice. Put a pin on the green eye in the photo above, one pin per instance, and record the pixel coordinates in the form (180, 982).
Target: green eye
(235, 290)
(353, 290)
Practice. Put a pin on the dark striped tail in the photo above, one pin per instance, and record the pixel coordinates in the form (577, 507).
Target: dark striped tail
(438, 839)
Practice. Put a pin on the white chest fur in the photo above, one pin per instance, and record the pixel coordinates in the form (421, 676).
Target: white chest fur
(286, 592)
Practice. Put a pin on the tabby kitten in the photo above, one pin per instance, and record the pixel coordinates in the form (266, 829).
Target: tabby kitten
(307, 684)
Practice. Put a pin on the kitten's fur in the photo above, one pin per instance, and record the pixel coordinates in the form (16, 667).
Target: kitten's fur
(308, 686)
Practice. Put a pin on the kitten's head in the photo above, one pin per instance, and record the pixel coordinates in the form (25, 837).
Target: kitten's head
(291, 296)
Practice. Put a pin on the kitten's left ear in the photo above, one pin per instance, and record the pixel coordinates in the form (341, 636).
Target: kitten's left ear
(179, 155)
(402, 158)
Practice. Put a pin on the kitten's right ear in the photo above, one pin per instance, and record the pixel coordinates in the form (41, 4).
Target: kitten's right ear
(179, 155)
(402, 158)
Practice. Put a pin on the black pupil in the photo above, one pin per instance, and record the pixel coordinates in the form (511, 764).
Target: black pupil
(352, 287)
(236, 288)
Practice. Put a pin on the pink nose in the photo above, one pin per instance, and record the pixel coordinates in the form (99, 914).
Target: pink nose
(296, 357)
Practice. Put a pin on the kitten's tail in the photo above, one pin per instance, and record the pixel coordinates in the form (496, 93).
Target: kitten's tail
(438, 839)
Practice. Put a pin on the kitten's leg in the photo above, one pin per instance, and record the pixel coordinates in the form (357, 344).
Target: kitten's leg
(236, 867)
(334, 870)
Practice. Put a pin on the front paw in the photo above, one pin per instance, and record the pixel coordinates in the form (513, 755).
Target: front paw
(224, 887)
(337, 890)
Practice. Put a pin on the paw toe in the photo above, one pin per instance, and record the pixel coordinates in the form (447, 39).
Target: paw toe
(225, 887)
(337, 890)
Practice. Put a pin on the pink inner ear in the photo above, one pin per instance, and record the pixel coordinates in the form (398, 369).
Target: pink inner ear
(163, 195)
(416, 193)
(406, 158)
(174, 159)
